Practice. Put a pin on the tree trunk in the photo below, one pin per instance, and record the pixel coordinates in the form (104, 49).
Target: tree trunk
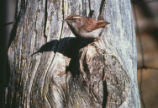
(50, 68)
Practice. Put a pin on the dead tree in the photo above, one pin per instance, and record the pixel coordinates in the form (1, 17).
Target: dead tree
(50, 68)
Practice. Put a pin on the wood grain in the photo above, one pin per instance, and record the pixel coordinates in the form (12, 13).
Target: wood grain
(53, 78)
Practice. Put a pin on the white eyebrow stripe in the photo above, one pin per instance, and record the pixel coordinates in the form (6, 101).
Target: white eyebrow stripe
(76, 17)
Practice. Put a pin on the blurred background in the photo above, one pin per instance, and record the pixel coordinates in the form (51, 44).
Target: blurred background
(146, 24)
(145, 14)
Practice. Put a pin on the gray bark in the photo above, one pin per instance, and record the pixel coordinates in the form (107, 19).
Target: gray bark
(50, 68)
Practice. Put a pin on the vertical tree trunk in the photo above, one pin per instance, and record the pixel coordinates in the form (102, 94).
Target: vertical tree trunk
(52, 69)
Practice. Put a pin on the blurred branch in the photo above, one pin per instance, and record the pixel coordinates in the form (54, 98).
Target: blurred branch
(6, 24)
(143, 1)
(147, 67)
(144, 8)
(149, 25)
(142, 57)
(148, 1)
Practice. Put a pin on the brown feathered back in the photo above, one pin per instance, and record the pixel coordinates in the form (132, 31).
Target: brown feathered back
(88, 26)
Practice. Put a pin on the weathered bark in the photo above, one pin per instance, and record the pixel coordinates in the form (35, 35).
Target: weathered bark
(51, 68)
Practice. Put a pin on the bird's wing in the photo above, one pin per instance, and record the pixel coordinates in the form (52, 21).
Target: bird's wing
(92, 24)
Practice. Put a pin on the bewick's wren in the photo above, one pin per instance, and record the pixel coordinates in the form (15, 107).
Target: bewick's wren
(85, 28)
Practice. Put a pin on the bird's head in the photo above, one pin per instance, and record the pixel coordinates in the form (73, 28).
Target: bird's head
(75, 21)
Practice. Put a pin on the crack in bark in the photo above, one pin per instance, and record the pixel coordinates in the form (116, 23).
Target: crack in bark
(105, 94)
(45, 19)
(59, 35)
(18, 15)
(103, 2)
(59, 38)
(60, 32)
(62, 21)
(90, 10)
(32, 79)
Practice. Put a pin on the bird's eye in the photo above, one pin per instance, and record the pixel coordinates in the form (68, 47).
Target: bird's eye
(73, 19)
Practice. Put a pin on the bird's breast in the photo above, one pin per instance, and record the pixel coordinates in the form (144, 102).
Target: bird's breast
(92, 34)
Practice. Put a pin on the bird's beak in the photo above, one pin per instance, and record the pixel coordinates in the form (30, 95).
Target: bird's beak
(107, 23)
(65, 20)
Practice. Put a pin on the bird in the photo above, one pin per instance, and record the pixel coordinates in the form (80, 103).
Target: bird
(85, 27)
